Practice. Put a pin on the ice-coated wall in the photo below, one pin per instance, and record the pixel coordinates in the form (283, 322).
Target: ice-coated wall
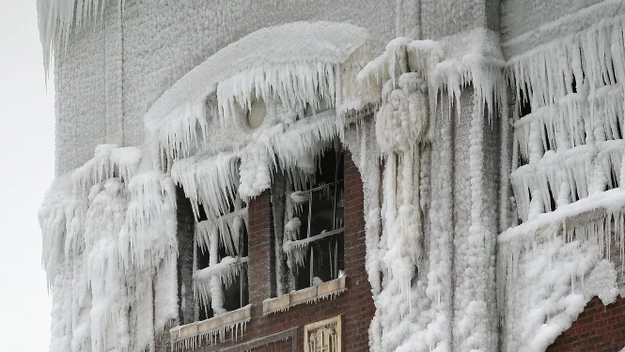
(519, 16)
(143, 50)
(441, 18)
(526, 24)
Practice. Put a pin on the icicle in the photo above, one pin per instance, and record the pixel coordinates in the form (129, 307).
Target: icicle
(58, 19)
(210, 181)
(295, 64)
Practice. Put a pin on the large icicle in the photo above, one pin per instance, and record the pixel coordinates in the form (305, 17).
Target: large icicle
(208, 181)
(570, 145)
(60, 18)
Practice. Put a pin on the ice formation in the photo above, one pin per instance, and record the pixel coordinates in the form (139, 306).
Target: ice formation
(568, 162)
(295, 64)
(197, 132)
(413, 78)
(109, 244)
(58, 19)
(110, 227)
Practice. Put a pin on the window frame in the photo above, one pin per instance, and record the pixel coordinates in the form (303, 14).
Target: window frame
(292, 210)
(215, 247)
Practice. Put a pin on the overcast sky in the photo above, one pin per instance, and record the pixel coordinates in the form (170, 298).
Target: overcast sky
(26, 170)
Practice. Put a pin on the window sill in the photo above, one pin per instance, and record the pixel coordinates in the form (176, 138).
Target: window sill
(326, 290)
(213, 328)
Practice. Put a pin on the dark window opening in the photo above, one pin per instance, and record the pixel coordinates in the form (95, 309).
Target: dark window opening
(525, 106)
(231, 242)
(552, 199)
(322, 223)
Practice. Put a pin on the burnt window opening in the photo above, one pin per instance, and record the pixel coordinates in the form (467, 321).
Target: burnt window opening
(185, 231)
(525, 106)
(322, 223)
(211, 248)
(312, 217)
(221, 255)
(552, 200)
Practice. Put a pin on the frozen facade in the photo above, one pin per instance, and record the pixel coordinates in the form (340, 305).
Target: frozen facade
(390, 175)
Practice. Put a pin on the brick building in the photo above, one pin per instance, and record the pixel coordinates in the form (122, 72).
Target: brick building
(349, 175)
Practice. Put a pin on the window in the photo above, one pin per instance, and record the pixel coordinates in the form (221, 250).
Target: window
(313, 225)
(220, 277)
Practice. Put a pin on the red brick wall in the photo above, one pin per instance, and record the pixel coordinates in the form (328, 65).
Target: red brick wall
(599, 328)
(356, 304)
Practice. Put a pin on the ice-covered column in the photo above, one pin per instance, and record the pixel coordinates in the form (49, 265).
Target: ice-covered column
(476, 155)
(469, 79)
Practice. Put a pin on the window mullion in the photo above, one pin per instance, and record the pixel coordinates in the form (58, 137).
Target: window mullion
(217, 294)
(196, 306)
(310, 248)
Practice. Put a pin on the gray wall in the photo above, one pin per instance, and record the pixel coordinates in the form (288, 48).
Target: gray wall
(526, 24)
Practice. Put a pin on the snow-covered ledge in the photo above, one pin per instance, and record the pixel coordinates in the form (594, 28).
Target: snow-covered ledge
(210, 330)
(288, 67)
(325, 290)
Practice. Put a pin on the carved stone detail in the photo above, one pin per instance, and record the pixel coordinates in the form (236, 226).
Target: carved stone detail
(323, 336)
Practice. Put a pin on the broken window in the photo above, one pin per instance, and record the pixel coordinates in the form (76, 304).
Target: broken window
(312, 212)
(220, 276)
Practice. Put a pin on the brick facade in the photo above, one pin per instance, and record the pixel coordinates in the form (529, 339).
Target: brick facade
(274, 332)
(599, 328)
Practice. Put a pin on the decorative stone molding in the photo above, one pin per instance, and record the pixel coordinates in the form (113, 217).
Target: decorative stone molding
(323, 336)
(325, 290)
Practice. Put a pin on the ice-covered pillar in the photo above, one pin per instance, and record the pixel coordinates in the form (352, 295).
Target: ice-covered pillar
(476, 159)
(475, 162)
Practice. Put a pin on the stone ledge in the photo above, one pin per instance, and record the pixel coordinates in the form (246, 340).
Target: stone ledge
(212, 326)
(326, 290)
